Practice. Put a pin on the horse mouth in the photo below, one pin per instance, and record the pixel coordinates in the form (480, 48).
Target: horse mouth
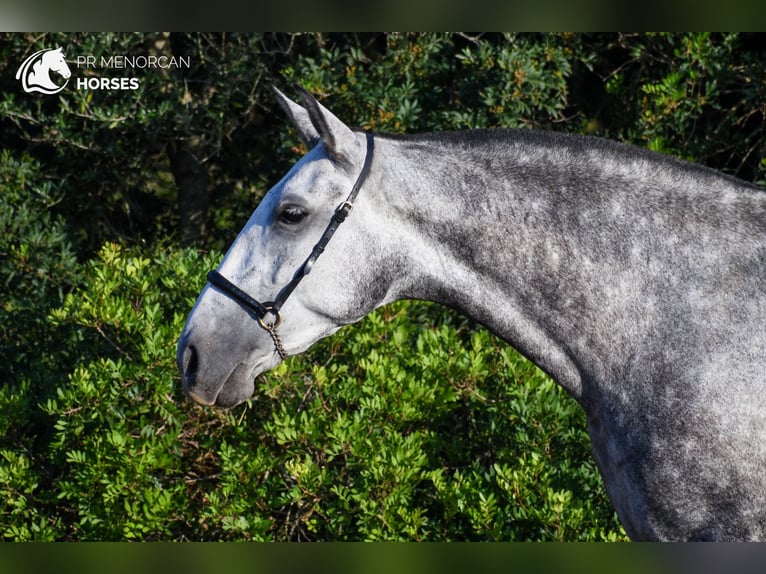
(236, 388)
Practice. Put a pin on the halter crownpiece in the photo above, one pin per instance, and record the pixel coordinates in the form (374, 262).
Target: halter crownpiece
(262, 310)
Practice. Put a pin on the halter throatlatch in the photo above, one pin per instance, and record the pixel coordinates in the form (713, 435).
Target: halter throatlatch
(263, 311)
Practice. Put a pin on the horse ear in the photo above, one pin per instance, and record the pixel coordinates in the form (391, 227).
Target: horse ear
(300, 118)
(335, 135)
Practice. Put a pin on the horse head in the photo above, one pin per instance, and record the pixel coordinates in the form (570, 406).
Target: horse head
(223, 348)
(34, 72)
(54, 61)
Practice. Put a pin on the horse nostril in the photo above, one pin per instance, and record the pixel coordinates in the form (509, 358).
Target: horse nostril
(190, 362)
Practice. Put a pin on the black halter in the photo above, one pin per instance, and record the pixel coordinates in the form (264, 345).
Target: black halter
(261, 310)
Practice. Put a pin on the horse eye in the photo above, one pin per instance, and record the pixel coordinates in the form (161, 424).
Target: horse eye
(292, 215)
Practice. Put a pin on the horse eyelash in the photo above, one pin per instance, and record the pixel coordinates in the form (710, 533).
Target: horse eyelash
(292, 215)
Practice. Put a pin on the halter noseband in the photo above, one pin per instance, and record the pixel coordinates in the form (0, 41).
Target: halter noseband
(261, 310)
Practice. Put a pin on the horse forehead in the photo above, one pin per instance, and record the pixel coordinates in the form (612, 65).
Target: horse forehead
(309, 177)
(314, 174)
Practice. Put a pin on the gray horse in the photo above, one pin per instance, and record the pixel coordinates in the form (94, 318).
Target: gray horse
(635, 280)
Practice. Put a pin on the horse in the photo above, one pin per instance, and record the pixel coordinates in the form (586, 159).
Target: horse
(636, 280)
(34, 72)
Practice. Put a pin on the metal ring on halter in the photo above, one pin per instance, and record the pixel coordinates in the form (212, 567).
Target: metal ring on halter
(277, 321)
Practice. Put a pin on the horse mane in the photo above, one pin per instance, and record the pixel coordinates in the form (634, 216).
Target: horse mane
(574, 144)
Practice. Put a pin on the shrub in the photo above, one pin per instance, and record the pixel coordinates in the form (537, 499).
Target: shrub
(413, 426)
(428, 82)
(117, 421)
(416, 427)
(37, 265)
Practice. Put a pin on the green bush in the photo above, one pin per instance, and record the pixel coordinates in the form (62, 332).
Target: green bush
(117, 421)
(420, 429)
(104, 450)
(37, 265)
(415, 426)
(700, 97)
(429, 82)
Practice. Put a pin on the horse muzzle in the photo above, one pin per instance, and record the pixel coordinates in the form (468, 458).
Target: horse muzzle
(208, 389)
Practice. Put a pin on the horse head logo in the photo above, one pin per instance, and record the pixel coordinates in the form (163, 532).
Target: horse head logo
(34, 72)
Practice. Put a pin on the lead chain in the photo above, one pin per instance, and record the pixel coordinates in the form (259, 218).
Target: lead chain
(272, 330)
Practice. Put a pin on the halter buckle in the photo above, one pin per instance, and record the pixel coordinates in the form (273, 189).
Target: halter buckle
(344, 209)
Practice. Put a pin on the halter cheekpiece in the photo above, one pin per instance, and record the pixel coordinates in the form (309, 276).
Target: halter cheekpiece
(272, 308)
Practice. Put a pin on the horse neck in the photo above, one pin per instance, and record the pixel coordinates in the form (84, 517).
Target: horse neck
(465, 230)
(537, 237)
(40, 74)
